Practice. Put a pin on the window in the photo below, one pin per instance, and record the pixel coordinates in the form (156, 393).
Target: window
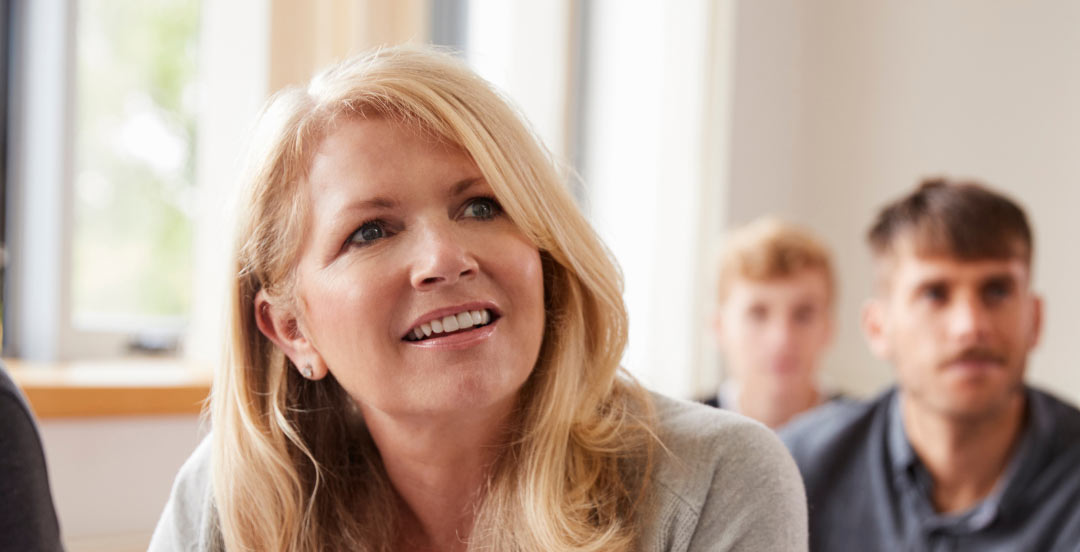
(60, 163)
(100, 185)
(133, 199)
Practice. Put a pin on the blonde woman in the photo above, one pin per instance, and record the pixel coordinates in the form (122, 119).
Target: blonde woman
(424, 349)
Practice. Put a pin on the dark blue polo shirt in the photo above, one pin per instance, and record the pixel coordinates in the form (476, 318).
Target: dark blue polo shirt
(867, 489)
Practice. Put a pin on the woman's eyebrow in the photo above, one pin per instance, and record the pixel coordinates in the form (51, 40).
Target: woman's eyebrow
(377, 202)
(384, 203)
(464, 185)
(344, 214)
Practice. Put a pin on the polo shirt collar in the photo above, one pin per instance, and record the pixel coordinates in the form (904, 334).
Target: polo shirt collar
(913, 480)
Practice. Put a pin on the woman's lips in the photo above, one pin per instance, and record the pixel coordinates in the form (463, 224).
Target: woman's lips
(450, 324)
(457, 340)
(438, 316)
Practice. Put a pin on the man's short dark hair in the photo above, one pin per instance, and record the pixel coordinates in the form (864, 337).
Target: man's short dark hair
(960, 219)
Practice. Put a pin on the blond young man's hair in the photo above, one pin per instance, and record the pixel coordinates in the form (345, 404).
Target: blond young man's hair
(769, 249)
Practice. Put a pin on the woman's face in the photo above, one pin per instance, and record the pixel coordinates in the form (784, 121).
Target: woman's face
(415, 290)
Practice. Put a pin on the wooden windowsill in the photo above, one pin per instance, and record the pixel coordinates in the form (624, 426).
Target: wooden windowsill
(122, 387)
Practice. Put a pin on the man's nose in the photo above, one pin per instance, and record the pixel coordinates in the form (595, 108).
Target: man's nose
(969, 318)
(782, 332)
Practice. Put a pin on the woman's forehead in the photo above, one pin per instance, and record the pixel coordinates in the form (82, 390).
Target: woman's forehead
(382, 152)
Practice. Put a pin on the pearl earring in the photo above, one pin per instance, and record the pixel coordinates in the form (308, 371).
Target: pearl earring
(306, 371)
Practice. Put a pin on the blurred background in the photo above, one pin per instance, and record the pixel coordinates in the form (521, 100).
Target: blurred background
(125, 121)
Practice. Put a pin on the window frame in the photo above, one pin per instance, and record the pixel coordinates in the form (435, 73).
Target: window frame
(40, 321)
(260, 56)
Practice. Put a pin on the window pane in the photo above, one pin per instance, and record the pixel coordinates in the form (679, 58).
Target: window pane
(134, 165)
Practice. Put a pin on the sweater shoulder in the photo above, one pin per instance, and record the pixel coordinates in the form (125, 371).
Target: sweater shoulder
(721, 479)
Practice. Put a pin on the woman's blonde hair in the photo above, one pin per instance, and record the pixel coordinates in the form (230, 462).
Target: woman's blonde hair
(293, 466)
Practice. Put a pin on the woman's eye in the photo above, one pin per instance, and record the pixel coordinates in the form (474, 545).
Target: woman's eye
(367, 233)
(482, 208)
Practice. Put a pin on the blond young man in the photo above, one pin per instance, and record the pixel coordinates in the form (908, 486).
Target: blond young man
(774, 320)
(961, 454)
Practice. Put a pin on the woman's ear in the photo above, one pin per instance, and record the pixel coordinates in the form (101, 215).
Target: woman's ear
(280, 326)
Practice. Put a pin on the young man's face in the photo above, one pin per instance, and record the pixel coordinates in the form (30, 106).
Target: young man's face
(958, 332)
(774, 332)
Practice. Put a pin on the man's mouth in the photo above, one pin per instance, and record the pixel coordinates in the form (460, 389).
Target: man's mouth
(451, 324)
(976, 359)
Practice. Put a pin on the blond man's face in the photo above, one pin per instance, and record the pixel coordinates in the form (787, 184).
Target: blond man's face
(774, 332)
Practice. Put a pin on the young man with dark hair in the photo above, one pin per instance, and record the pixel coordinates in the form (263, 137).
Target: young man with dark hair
(961, 455)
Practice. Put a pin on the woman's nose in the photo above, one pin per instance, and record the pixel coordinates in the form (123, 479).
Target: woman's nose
(441, 257)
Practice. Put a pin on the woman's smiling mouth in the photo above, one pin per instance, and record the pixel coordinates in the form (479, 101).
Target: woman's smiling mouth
(451, 324)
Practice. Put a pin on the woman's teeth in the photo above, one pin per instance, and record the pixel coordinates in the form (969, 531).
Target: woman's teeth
(452, 323)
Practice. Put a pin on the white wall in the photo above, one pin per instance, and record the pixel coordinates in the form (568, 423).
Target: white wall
(766, 153)
(111, 477)
(523, 48)
(653, 152)
(234, 73)
(847, 105)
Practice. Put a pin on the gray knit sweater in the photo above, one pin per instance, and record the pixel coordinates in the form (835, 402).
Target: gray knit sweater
(724, 483)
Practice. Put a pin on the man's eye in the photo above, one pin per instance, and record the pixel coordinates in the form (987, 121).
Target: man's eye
(936, 294)
(996, 291)
(482, 208)
(758, 313)
(368, 232)
(804, 314)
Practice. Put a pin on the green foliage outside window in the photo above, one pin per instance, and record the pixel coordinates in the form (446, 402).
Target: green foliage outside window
(136, 93)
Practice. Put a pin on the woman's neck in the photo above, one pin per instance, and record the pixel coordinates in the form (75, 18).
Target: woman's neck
(439, 465)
